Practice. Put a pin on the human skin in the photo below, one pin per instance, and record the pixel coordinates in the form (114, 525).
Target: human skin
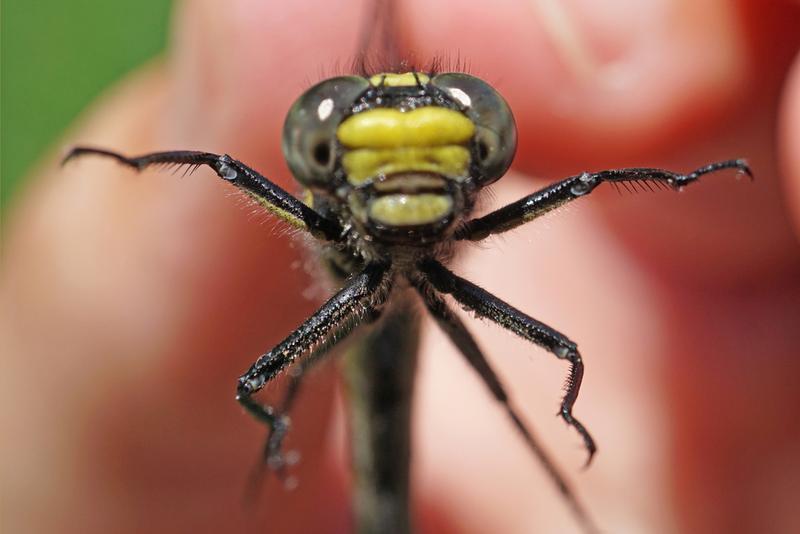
(131, 303)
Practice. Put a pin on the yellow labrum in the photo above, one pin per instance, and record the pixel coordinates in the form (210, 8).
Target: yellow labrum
(405, 79)
(410, 210)
(365, 163)
(389, 128)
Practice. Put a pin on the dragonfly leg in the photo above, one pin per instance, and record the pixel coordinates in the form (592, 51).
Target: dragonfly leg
(486, 305)
(273, 198)
(278, 422)
(455, 329)
(537, 204)
(353, 304)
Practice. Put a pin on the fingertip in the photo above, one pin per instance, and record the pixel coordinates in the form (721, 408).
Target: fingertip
(586, 79)
(789, 141)
(237, 69)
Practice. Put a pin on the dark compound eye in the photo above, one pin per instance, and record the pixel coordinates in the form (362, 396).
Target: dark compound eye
(483, 150)
(309, 132)
(322, 154)
(495, 130)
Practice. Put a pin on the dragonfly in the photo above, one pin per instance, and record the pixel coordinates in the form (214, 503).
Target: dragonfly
(392, 161)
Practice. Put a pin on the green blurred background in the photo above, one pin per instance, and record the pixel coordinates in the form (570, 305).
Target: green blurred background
(56, 56)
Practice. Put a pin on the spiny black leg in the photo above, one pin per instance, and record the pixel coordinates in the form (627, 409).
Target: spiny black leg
(272, 457)
(466, 344)
(357, 301)
(278, 422)
(532, 206)
(486, 305)
(344, 310)
(277, 419)
(273, 198)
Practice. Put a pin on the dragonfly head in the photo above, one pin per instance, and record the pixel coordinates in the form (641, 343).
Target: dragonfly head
(402, 154)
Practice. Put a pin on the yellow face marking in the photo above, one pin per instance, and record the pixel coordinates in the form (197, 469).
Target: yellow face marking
(410, 210)
(414, 182)
(406, 79)
(365, 163)
(421, 127)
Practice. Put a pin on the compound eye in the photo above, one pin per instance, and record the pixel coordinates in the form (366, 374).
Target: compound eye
(495, 130)
(309, 132)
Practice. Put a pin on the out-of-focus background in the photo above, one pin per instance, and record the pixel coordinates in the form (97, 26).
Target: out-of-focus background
(56, 57)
